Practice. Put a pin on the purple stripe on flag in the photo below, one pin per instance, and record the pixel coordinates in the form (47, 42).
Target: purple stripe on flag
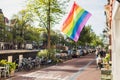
(81, 27)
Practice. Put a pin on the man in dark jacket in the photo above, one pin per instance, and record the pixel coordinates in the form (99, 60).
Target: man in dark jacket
(102, 53)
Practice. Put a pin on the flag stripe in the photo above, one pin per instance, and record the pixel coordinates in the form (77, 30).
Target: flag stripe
(81, 27)
(76, 24)
(69, 19)
(75, 21)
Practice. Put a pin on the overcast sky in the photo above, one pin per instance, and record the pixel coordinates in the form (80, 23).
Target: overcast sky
(95, 7)
(10, 7)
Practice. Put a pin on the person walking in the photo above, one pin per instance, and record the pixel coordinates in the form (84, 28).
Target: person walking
(102, 53)
(96, 53)
(99, 62)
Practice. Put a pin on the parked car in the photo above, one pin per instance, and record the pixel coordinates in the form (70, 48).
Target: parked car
(80, 51)
(75, 54)
(85, 52)
(64, 54)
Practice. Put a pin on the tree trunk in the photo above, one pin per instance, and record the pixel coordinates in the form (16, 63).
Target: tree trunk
(48, 46)
(48, 30)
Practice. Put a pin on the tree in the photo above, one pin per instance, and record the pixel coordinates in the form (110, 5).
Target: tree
(47, 12)
(20, 21)
(86, 35)
(97, 41)
(2, 26)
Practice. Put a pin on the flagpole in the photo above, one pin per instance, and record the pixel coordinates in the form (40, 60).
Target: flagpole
(76, 45)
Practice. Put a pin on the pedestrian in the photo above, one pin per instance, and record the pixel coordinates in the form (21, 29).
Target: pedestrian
(99, 62)
(102, 53)
(96, 53)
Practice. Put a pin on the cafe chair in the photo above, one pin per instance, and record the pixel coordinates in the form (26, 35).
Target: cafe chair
(5, 71)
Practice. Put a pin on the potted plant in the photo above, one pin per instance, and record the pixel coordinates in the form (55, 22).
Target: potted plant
(3, 62)
(12, 67)
(106, 60)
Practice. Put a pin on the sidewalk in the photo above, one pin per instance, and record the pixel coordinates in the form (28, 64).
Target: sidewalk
(83, 68)
(90, 73)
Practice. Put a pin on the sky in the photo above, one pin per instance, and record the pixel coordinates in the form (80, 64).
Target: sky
(95, 7)
(11, 7)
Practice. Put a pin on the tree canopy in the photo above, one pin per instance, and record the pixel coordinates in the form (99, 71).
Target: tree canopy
(47, 13)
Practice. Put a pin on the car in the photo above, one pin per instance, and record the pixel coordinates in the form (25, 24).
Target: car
(80, 51)
(75, 54)
(84, 52)
(63, 54)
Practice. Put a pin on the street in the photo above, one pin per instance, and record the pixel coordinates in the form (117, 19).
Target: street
(83, 68)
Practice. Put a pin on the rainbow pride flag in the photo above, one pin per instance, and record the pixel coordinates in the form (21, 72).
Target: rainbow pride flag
(75, 22)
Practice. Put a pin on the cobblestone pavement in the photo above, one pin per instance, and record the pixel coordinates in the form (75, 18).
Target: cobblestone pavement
(82, 68)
